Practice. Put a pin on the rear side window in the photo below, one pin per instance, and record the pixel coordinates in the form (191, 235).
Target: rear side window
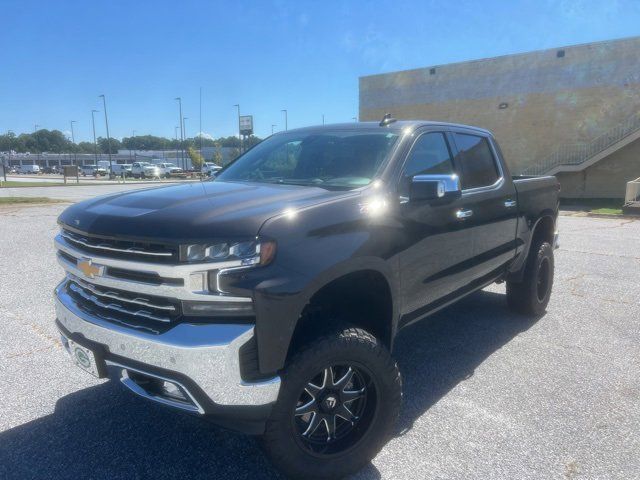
(476, 159)
(429, 156)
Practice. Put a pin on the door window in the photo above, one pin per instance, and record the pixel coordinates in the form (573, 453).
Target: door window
(429, 155)
(476, 160)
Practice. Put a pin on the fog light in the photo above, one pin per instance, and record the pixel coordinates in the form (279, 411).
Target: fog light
(173, 391)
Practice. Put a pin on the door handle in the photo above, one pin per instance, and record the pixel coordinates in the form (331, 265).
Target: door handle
(461, 214)
(510, 203)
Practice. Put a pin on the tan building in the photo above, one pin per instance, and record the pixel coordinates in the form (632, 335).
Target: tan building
(569, 111)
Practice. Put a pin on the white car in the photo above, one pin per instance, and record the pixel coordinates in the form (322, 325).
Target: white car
(92, 170)
(210, 169)
(145, 170)
(120, 169)
(29, 169)
(168, 169)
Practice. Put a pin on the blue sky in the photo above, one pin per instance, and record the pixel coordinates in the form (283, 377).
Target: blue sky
(57, 57)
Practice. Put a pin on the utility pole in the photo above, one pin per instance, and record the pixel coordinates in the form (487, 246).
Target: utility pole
(179, 99)
(286, 121)
(239, 131)
(73, 140)
(323, 118)
(95, 142)
(200, 127)
(106, 121)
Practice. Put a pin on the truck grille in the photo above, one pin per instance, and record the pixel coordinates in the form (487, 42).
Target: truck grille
(121, 248)
(141, 311)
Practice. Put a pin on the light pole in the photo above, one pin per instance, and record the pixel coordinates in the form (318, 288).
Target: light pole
(239, 131)
(177, 144)
(73, 141)
(106, 121)
(184, 129)
(179, 99)
(35, 130)
(133, 140)
(323, 118)
(286, 120)
(273, 125)
(95, 142)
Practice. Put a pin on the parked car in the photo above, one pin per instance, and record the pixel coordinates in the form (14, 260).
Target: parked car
(92, 170)
(29, 169)
(120, 169)
(145, 170)
(210, 169)
(285, 280)
(169, 169)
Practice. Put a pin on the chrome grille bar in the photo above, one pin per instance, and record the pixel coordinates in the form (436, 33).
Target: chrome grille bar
(114, 296)
(115, 307)
(135, 251)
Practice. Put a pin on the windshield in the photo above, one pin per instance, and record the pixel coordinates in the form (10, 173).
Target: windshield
(325, 158)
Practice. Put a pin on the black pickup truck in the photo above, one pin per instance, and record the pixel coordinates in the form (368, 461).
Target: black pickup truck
(269, 298)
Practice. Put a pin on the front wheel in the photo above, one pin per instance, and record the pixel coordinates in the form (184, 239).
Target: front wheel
(532, 295)
(339, 401)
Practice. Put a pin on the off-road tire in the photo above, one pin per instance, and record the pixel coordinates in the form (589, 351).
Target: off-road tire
(531, 296)
(281, 440)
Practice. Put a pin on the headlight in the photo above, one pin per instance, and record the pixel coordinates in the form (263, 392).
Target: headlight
(252, 252)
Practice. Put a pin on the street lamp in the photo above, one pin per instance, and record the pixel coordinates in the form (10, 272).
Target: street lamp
(286, 122)
(179, 99)
(106, 121)
(73, 141)
(239, 131)
(95, 143)
(177, 143)
(35, 130)
(133, 139)
(273, 125)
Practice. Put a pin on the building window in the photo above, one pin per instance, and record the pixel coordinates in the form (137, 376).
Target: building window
(560, 53)
(432, 71)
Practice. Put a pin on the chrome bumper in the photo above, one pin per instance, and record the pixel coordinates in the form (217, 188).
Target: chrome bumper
(207, 354)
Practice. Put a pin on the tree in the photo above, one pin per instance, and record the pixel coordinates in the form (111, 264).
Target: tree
(218, 159)
(196, 158)
(103, 145)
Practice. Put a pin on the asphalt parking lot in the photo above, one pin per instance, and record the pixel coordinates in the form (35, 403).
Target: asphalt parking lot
(488, 394)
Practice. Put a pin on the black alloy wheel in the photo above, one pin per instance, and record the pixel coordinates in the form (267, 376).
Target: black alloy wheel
(333, 408)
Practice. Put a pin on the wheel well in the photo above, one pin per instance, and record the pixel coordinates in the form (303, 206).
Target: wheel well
(544, 231)
(360, 299)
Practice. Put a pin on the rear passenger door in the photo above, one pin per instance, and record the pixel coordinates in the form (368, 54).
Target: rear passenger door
(491, 197)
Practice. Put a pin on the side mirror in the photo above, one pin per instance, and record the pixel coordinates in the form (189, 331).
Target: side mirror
(434, 187)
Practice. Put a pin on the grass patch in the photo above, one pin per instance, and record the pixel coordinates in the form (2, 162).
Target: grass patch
(13, 184)
(603, 206)
(23, 200)
(608, 211)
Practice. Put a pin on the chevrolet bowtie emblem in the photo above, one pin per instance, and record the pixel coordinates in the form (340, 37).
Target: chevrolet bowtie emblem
(89, 269)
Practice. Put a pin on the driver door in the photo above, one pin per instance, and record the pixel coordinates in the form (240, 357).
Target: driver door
(438, 241)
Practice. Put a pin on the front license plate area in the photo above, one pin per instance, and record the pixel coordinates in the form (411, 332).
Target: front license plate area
(83, 357)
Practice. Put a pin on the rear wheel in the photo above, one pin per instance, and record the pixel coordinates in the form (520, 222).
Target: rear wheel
(532, 295)
(339, 401)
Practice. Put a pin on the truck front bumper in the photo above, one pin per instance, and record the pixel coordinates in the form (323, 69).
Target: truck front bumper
(193, 367)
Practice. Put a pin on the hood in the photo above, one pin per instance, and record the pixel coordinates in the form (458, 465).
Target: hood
(194, 211)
